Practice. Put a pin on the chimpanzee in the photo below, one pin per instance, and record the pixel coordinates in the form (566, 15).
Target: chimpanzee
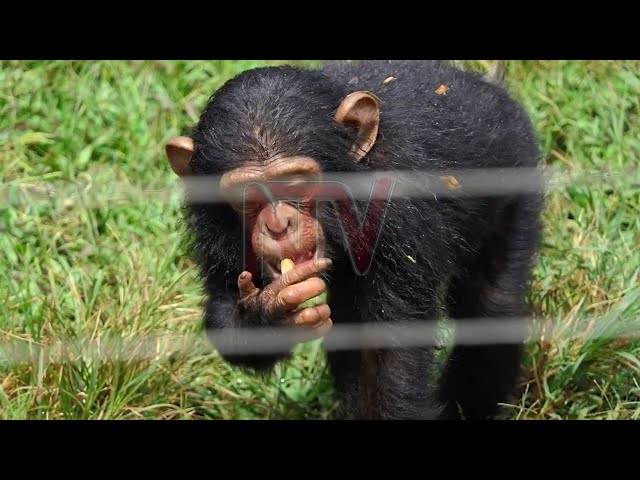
(469, 256)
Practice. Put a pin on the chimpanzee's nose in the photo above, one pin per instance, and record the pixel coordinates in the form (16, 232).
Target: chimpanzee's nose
(277, 225)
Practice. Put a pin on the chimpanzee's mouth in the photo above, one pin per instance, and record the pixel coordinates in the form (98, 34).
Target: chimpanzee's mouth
(273, 265)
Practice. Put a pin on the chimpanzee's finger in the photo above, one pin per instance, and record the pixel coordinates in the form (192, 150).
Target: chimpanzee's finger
(300, 272)
(306, 333)
(313, 316)
(289, 298)
(245, 284)
(320, 330)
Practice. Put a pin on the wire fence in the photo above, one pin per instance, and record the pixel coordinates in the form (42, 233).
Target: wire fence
(261, 340)
(433, 185)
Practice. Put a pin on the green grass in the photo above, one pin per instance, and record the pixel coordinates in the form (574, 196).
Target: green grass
(72, 272)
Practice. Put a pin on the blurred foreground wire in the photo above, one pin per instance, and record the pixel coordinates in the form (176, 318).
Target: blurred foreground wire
(155, 346)
(91, 192)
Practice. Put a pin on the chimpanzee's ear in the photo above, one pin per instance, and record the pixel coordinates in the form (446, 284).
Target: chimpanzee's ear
(361, 110)
(180, 150)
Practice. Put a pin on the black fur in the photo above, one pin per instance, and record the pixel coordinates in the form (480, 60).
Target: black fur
(477, 250)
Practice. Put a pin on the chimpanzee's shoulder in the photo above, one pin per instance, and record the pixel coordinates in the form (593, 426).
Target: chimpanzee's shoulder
(443, 112)
(385, 75)
(421, 85)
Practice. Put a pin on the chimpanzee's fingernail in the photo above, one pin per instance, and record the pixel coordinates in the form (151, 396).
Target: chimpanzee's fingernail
(324, 262)
(243, 275)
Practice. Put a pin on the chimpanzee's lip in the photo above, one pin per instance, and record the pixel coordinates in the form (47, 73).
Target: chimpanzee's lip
(273, 266)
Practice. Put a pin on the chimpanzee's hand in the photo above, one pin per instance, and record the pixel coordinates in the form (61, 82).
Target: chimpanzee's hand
(277, 302)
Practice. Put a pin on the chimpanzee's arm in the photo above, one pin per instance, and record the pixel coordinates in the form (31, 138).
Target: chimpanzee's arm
(276, 305)
(223, 312)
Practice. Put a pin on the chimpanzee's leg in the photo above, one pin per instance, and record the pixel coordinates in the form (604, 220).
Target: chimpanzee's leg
(350, 384)
(394, 381)
(384, 384)
(478, 378)
(387, 383)
(405, 391)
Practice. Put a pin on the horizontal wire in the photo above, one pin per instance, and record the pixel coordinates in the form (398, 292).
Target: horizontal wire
(414, 184)
(89, 192)
(342, 337)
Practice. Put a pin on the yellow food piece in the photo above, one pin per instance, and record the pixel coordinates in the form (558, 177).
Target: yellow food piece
(286, 265)
(442, 90)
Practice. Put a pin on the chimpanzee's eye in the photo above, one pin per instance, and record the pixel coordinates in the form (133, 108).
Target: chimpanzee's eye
(247, 207)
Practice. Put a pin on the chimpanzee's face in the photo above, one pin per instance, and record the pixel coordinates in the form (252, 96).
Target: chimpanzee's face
(282, 219)
(276, 203)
